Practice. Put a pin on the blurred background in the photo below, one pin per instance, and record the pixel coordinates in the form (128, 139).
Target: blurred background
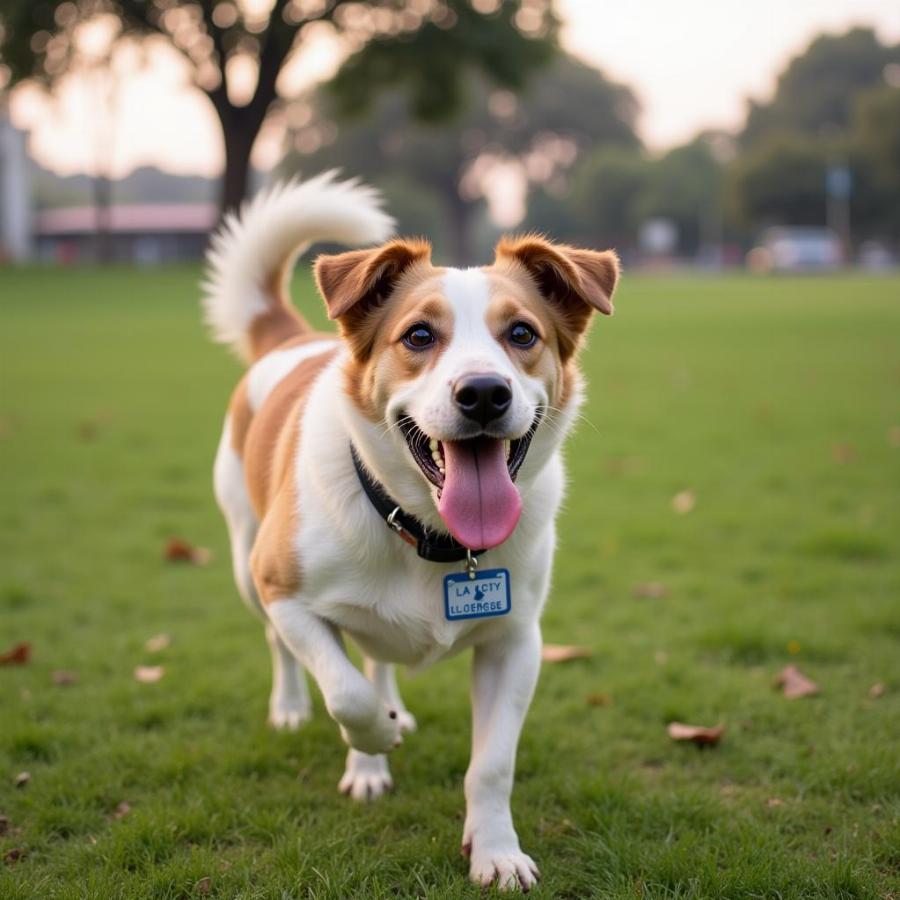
(682, 134)
(734, 517)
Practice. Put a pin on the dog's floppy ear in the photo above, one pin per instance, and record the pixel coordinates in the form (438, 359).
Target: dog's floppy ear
(578, 281)
(353, 283)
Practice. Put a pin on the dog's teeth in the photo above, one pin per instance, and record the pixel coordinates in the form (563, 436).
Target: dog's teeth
(506, 446)
(432, 445)
(436, 456)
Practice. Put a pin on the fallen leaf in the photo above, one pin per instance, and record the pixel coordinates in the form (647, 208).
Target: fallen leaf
(697, 734)
(4, 825)
(660, 657)
(773, 802)
(683, 502)
(22, 779)
(876, 691)
(843, 453)
(63, 676)
(599, 700)
(178, 550)
(650, 590)
(122, 810)
(88, 430)
(794, 683)
(793, 647)
(13, 855)
(19, 655)
(157, 643)
(894, 435)
(203, 885)
(555, 653)
(148, 674)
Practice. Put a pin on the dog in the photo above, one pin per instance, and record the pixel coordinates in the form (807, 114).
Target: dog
(398, 482)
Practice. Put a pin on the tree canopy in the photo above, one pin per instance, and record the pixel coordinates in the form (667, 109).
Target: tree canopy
(427, 47)
(434, 173)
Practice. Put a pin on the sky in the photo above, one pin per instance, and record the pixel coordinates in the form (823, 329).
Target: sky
(692, 64)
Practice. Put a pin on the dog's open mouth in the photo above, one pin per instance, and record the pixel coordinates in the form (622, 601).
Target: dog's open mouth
(474, 477)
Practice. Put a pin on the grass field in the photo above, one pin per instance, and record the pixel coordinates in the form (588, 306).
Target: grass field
(775, 403)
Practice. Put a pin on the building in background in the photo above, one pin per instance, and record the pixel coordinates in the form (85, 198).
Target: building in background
(15, 193)
(145, 234)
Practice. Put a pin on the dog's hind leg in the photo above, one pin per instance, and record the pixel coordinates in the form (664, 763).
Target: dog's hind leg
(367, 776)
(289, 703)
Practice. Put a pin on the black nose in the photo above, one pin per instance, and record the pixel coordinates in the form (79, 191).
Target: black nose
(482, 398)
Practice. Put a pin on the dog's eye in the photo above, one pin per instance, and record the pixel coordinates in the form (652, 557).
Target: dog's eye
(418, 337)
(522, 335)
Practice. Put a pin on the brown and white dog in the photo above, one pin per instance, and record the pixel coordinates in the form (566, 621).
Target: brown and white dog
(444, 399)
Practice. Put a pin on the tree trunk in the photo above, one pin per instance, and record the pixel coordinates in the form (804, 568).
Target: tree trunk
(459, 217)
(235, 183)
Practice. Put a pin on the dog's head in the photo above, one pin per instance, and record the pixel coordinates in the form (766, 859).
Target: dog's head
(461, 367)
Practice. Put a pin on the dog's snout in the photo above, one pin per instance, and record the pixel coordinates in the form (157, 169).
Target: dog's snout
(482, 398)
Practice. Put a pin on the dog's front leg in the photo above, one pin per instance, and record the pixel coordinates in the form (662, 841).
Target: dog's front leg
(367, 776)
(367, 723)
(504, 675)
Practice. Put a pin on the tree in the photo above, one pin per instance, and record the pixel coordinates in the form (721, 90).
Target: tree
(598, 205)
(782, 181)
(816, 92)
(425, 47)
(565, 109)
(685, 186)
(876, 158)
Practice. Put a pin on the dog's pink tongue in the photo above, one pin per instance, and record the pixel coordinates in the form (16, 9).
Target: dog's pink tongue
(479, 503)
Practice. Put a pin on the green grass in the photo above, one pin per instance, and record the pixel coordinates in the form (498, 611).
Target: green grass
(772, 400)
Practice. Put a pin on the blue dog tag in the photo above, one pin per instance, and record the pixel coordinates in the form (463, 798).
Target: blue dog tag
(485, 595)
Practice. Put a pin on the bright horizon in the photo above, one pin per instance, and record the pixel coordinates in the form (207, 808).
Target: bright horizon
(693, 69)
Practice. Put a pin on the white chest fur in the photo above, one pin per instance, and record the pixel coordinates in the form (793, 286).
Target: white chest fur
(359, 575)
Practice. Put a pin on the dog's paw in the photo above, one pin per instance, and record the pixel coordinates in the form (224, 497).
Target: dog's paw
(289, 715)
(510, 870)
(382, 735)
(287, 712)
(367, 777)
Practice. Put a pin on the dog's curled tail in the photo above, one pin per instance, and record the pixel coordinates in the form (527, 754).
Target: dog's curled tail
(246, 291)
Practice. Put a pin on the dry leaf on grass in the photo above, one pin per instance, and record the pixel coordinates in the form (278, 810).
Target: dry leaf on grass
(794, 683)
(179, 550)
(157, 643)
(13, 855)
(64, 676)
(4, 825)
(599, 700)
(18, 655)
(556, 653)
(843, 453)
(683, 502)
(22, 779)
(149, 674)
(696, 734)
(773, 802)
(122, 810)
(204, 885)
(876, 691)
(650, 590)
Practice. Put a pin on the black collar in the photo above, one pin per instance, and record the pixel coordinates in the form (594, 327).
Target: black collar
(433, 546)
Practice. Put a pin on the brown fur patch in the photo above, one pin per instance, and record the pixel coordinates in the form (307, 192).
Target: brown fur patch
(268, 450)
(369, 379)
(279, 322)
(573, 281)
